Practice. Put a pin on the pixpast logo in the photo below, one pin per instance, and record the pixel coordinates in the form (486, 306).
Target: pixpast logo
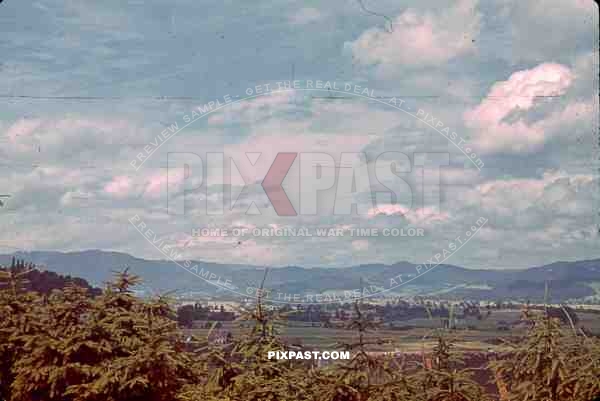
(316, 173)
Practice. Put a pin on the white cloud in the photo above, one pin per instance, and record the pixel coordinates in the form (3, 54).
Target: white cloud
(50, 135)
(421, 38)
(537, 201)
(418, 216)
(490, 123)
(84, 177)
(119, 186)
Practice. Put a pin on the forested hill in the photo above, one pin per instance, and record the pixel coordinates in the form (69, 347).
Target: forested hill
(42, 281)
(571, 281)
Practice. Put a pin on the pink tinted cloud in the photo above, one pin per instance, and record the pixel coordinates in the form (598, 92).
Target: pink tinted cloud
(29, 135)
(418, 216)
(519, 93)
(122, 186)
(158, 182)
(119, 186)
(27, 127)
(22, 128)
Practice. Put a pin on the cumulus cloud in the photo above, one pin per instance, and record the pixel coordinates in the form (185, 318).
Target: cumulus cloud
(22, 128)
(441, 48)
(491, 122)
(421, 38)
(65, 135)
(537, 201)
(268, 103)
(119, 186)
(419, 216)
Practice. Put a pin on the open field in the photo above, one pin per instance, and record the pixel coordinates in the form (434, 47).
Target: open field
(408, 336)
(406, 341)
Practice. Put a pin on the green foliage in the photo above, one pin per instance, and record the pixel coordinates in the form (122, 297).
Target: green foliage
(364, 376)
(59, 351)
(446, 378)
(115, 347)
(242, 371)
(70, 346)
(16, 321)
(41, 281)
(443, 376)
(552, 363)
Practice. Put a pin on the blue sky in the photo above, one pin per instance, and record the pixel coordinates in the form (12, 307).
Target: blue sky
(517, 79)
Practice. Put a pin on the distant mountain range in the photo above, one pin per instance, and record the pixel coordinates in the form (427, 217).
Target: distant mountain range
(574, 281)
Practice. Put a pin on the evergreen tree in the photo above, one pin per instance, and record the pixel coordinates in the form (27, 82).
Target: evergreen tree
(363, 377)
(242, 371)
(62, 350)
(444, 377)
(147, 359)
(550, 364)
(16, 322)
